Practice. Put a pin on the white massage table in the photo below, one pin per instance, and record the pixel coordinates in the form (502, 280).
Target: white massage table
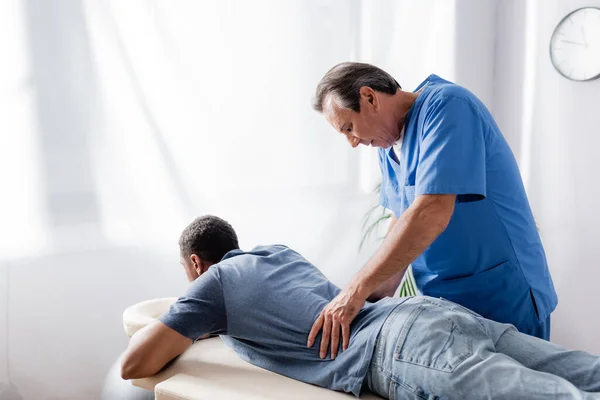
(209, 370)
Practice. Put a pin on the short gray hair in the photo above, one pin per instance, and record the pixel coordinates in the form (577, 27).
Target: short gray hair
(345, 80)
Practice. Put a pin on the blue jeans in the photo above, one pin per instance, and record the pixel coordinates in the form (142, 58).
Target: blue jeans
(434, 349)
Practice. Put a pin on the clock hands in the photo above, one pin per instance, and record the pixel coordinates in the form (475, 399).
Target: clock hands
(583, 36)
(584, 44)
(571, 42)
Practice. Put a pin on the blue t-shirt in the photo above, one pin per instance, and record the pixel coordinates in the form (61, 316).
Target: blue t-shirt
(490, 257)
(264, 303)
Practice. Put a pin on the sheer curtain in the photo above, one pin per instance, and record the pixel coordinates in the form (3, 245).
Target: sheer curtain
(131, 117)
(206, 107)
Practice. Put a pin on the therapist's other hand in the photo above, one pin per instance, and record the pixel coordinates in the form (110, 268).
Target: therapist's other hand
(334, 321)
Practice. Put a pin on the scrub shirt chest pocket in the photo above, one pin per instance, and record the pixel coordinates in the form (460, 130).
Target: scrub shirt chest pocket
(399, 188)
(409, 194)
(407, 174)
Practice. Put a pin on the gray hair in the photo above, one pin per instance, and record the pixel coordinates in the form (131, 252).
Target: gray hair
(345, 80)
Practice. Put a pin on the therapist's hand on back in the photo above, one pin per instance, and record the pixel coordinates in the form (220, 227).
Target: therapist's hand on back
(334, 322)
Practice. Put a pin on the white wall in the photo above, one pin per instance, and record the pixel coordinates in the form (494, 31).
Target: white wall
(3, 325)
(559, 157)
(65, 328)
(452, 39)
(474, 47)
(509, 70)
(564, 186)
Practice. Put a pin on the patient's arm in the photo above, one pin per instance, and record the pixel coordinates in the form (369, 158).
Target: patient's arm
(150, 349)
(388, 288)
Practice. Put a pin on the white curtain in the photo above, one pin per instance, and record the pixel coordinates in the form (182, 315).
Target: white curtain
(129, 118)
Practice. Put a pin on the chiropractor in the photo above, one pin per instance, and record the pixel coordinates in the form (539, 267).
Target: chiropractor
(461, 215)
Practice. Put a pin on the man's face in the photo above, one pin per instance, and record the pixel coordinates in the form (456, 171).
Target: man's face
(374, 125)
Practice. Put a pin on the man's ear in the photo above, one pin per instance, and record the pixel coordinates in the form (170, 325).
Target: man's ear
(368, 95)
(196, 264)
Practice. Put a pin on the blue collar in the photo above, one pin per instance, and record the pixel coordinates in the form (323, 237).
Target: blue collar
(232, 253)
(415, 105)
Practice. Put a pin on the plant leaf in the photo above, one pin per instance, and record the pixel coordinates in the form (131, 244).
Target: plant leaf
(372, 228)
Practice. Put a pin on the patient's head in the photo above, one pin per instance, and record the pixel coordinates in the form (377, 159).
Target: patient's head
(204, 242)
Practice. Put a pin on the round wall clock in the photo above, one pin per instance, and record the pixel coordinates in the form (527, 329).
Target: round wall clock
(575, 45)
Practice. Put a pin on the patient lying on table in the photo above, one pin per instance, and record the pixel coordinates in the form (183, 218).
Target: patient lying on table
(263, 304)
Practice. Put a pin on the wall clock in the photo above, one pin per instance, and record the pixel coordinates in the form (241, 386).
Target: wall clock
(575, 45)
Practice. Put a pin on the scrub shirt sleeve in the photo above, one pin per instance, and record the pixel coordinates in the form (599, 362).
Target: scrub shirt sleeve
(452, 151)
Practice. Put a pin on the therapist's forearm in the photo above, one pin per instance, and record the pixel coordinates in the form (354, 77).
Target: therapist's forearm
(387, 288)
(409, 236)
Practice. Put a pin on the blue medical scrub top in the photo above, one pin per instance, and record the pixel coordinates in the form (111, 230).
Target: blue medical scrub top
(490, 257)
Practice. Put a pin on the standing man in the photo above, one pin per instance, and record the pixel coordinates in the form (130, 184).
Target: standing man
(461, 215)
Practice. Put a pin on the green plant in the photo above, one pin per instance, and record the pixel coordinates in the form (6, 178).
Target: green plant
(372, 224)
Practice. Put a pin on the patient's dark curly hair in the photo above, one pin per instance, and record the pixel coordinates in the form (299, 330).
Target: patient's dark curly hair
(209, 237)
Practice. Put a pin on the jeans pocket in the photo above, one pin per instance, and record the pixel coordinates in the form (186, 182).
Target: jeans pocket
(400, 391)
(432, 340)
